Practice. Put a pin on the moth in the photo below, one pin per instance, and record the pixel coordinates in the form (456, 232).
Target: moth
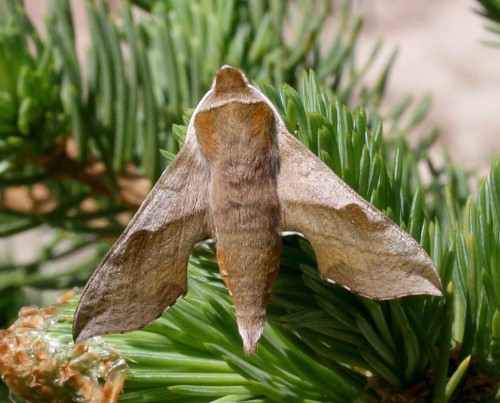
(242, 180)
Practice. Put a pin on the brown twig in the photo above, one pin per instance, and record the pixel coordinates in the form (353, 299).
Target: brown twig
(61, 164)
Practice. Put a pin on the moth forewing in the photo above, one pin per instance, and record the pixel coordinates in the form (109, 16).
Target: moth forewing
(356, 245)
(146, 269)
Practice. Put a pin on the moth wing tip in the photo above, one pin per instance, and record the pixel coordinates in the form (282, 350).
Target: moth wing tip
(85, 331)
(428, 290)
(432, 287)
(80, 335)
(435, 290)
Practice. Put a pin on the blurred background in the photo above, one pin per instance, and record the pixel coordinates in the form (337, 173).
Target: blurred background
(442, 52)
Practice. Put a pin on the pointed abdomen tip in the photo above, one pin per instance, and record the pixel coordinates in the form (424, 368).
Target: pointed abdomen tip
(249, 347)
(250, 331)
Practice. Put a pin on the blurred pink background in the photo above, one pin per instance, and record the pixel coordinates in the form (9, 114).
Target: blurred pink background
(442, 52)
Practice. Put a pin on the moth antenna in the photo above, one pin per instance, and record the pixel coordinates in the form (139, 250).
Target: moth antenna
(250, 330)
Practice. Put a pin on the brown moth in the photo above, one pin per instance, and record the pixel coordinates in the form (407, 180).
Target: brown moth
(242, 179)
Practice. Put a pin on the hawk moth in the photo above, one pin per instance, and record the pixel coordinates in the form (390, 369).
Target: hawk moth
(242, 179)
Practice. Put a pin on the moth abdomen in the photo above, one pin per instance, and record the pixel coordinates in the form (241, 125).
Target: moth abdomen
(239, 143)
(249, 264)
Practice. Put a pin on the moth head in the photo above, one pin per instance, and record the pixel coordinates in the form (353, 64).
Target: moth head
(229, 78)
